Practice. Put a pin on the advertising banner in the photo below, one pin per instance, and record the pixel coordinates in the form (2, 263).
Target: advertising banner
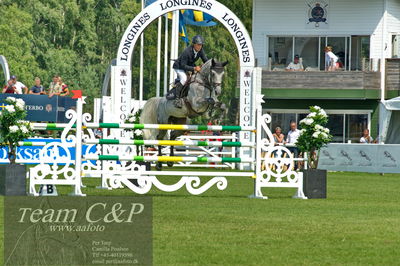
(41, 108)
(371, 158)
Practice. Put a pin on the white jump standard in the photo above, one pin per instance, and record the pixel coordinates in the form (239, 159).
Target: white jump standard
(114, 160)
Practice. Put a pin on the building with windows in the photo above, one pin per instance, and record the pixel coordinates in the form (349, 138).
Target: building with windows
(364, 35)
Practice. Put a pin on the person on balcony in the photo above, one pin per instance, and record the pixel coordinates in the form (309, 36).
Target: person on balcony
(10, 87)
(366, 138)
(38, 88)
(296, 65)
(55, 87)
(278, 136)
(330, 59)
(20, 87)
(291, 140)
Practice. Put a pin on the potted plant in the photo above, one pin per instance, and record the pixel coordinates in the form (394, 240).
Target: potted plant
(13, 129)
(313, 136)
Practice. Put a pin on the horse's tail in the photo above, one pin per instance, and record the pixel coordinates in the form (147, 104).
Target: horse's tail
(149, 116)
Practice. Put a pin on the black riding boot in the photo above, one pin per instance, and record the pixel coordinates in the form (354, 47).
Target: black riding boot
(171, 94)
(178, 90)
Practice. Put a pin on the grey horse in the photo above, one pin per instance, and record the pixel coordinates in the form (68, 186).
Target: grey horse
(203, 90)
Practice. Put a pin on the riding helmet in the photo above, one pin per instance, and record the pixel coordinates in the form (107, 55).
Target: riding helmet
(198, 40)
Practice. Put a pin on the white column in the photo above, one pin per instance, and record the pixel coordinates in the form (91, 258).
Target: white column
(78, 148)
(174, 43)
(166, 56)
(383, 50)
(158, 57)
(141, 66)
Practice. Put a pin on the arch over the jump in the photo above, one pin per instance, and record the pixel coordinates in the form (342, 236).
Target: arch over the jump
(121, 73)
(212, 7)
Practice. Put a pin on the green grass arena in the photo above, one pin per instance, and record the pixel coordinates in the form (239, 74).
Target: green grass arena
(358, 224)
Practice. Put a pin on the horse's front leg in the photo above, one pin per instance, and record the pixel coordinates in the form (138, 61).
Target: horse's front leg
(171, 153)
(159, 164)
(160, 136)
(174, 135)
(171, 150)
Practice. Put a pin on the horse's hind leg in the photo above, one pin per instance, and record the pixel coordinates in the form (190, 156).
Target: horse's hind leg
(174, 135)
(159, 164)
(160, 136)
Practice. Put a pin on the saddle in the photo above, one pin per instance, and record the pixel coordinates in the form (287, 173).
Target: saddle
(183, 92)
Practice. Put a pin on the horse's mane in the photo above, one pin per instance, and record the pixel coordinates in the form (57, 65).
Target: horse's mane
(206, 68)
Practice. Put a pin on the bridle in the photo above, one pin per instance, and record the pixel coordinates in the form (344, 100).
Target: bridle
(210, 85)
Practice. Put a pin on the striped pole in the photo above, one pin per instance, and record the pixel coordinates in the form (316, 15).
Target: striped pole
(170, 127)
(34, 143)
(60, 126)
(50, 126)
(167, 159)
(197, 143)
(40, 143)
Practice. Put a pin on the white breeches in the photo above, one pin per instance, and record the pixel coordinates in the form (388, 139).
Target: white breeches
(181, 75)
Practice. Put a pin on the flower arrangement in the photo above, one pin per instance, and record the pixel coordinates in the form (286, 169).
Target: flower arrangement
(313, 134)
(134, 119)
(12, 126)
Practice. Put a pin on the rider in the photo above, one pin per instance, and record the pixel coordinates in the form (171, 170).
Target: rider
(186, 63)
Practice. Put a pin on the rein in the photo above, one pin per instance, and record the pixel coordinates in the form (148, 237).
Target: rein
(208, 84)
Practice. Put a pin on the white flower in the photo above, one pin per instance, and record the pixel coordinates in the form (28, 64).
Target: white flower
(24, 129)
(313, 114)
(323, 113)
(131, 119)
(13, 129)
(10, 108)
(316, 134)
(11, 99)
(138, 132)
(324, 135)
(20, 104)
(326, 130)
(317, 107)
(302, 131)
(319, 127)
(307, 121)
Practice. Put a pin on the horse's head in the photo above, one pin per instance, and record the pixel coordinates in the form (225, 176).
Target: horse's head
(206, 87)
(216, 75)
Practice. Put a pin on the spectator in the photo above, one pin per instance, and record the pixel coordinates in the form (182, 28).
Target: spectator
(37, 89)
(10, 87)
(330, 59)
(291, 139)
(366, 138)
(19, 86)
(278, 136)
(64, 88)
(296, 65)
(55, 88)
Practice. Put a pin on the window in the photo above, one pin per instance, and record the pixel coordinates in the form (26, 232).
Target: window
(280, 51)
(360, 53)
(352, 51)
(344, 126)
(355, 124)
(282, 120)
(307, 49)
(335, 125)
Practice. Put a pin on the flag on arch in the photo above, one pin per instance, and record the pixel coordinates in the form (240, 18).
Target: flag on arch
(198, 18)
